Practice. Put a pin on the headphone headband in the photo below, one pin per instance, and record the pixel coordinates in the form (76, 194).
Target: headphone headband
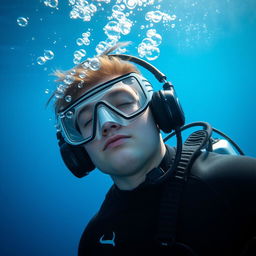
(157, 73)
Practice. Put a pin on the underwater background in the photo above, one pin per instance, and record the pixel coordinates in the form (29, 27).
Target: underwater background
(207, 48)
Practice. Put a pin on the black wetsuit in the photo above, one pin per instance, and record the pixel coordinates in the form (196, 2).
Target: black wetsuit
(217, 213)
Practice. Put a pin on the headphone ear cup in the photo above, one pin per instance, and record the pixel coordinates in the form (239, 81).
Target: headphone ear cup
(166, 110)
(75, 158)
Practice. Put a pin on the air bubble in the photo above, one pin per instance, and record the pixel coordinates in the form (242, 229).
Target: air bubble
(77, 61)
(82, 75)
(80, 85)
(68, 98)
(157, 39)
(101, 47)
(111, 42)
(116, 8)
(85, 65)
(122, 7)
(93, 8)
(79, 41)
(148, 42)
(151, 32)
(125, 28)
(69, 114)
(69, 79)
(155, 16)
(73, 14)
(86, 41)
(72, 72)
(82, 52)
(119, 15)
(152, 54)
(59, 93)
(130, 4)
(48, 54)
(41, 60)
(22, 22)
(94, 64)
(57, 127)
(51, 3)
(112, 30)
(72, 2)
(86, 34)
(79, 54)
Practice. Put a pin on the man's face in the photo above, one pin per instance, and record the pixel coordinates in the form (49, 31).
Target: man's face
(123, 150)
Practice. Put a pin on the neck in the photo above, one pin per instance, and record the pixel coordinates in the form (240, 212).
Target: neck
(132, 181)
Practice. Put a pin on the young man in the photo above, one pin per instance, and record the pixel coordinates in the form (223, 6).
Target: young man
(105, 112)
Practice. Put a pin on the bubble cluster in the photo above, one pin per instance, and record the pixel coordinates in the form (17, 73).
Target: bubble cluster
(101, 47)
(82, 10)
(84, 40)
(22, 22)
(157, 16)
(154, 16)
(148, 48)
(60, 91)
(78, 55)
(118, 25)
(48, 55)
(51, 3)
(62, 87)
(112, 30)
(69, 79)
(145, 3)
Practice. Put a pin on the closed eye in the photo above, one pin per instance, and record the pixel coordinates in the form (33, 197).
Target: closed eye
(87, 123)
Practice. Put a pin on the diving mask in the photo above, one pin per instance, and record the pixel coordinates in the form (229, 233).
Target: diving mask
(118, 101)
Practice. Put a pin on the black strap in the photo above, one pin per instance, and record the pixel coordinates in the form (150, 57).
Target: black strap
(173, 188)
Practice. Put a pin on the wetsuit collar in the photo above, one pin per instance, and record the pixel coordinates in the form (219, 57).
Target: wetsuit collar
(155, 173)
(163, 167)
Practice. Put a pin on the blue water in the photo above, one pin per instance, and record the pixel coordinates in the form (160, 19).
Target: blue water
(209, 56)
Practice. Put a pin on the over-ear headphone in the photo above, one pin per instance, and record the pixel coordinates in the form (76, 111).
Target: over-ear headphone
(164, 105)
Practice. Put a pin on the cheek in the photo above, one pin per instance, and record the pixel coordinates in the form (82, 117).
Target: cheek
(146, 130)
(147, 124)
(93, 151)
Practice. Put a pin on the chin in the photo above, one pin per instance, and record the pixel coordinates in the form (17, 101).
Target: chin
(126, 159)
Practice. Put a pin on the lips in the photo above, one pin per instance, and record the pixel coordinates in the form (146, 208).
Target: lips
(113, 139)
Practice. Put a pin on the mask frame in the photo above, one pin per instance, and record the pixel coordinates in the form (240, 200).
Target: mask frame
(69, 128)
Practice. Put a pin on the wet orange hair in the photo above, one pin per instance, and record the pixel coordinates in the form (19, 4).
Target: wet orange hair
(109, 66)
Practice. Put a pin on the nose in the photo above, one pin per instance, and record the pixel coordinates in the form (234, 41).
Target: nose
(109, 127)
